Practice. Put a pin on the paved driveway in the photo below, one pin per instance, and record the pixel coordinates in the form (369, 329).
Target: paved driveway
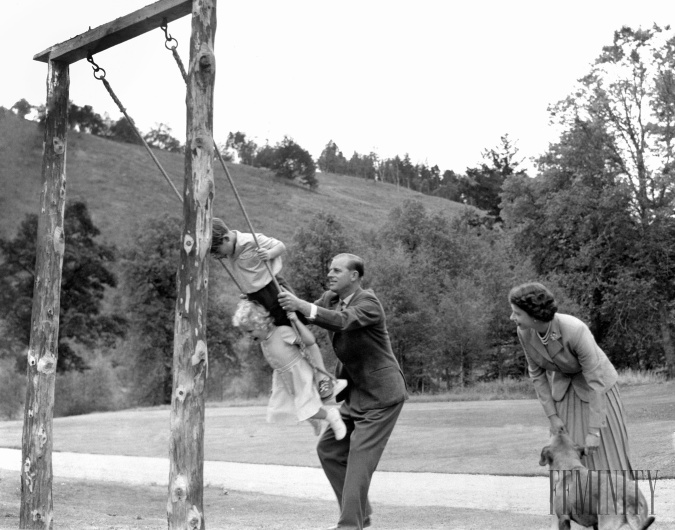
(526, 495)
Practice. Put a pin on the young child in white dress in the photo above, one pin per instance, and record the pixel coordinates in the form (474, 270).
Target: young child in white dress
(294, 392)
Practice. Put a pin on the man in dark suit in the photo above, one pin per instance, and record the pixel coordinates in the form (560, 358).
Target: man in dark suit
(376, 389)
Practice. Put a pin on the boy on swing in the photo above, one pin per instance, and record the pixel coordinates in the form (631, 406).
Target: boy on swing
(247, 263)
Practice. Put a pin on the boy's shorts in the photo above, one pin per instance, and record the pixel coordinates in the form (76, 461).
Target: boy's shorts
(268, 298)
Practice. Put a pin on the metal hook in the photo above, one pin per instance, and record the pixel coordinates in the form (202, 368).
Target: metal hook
(95, 67)
(169, 38)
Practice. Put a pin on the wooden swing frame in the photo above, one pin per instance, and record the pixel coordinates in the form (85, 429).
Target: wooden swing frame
(186, 448)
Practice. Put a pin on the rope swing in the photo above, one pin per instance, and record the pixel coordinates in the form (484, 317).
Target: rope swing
(102, 77)
(171, 44)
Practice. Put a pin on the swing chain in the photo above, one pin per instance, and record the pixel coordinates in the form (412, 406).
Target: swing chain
(171, 43)
(96, 68)
(173, 49)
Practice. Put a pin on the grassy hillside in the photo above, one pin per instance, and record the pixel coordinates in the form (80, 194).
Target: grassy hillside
(122, 187)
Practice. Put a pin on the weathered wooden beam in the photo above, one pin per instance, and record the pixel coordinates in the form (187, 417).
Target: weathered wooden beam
(36, 460)
(185, 505)
(113, 33)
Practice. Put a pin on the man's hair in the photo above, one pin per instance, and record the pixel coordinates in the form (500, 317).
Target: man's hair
(252, 314)
(535, 299)
(354, 263)
(218, 232)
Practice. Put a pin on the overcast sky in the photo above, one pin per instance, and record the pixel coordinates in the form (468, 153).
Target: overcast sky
(441, 80)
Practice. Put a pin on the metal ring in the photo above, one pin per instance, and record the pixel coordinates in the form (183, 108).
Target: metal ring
(169, 41)
(96, 73)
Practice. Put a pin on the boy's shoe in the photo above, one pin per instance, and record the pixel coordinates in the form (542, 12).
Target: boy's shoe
(334, 419)
(325, 389)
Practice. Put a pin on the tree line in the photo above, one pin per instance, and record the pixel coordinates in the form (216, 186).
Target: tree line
(596, 224)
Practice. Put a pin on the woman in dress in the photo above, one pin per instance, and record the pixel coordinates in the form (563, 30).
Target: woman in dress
(574, 380)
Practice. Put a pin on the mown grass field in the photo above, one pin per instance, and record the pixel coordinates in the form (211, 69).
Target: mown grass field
(502, 437)
(484, 437)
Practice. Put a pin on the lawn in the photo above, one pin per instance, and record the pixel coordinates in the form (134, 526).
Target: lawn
(485, 437)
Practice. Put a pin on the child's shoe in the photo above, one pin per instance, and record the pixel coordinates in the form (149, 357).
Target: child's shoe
(339, 386)
(335, 421)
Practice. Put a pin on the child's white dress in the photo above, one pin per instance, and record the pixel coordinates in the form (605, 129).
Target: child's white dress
(294, 394)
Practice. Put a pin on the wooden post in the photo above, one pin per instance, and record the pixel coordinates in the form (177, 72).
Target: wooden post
(36, 459)
(190, 359)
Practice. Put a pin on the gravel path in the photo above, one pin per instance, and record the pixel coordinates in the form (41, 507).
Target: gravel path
(526, 495)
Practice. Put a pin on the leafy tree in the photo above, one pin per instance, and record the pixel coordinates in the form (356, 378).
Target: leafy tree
(431, 269)
(311, 252)
(293, 162)
(462, 332)
(86, 276)
(603, 208)
(160, 137)
(86, 120)
(265, 157)
(332, 160)
(150, 267)
(246, 149)
(483, 184)
(362, 166)
(123, 131)
(449, 186)
(22, 108)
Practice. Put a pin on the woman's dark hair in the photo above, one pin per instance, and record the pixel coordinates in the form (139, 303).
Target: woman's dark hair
(535, 299)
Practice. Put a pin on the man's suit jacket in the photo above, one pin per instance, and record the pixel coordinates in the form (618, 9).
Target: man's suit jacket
(572, 357)
(361, 343)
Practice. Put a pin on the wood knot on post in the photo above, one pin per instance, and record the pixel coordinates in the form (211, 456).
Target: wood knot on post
(194, 519)
(188, 243)
(181, 393)
(37, 516)
(179, 489)
(206, 65)
(200, 353)
(41, 437)
(28, 476)
(32, 361)
(47, 365)
(59, 146)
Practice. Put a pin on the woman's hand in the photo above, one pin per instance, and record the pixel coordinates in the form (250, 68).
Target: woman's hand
(292, 316)
(557, 425)
(592, 443)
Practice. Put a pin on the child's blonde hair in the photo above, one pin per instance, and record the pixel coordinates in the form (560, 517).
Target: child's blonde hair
(218, 232)
(252, 314)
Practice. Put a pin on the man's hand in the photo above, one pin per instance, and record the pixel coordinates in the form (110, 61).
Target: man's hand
(290, 302)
